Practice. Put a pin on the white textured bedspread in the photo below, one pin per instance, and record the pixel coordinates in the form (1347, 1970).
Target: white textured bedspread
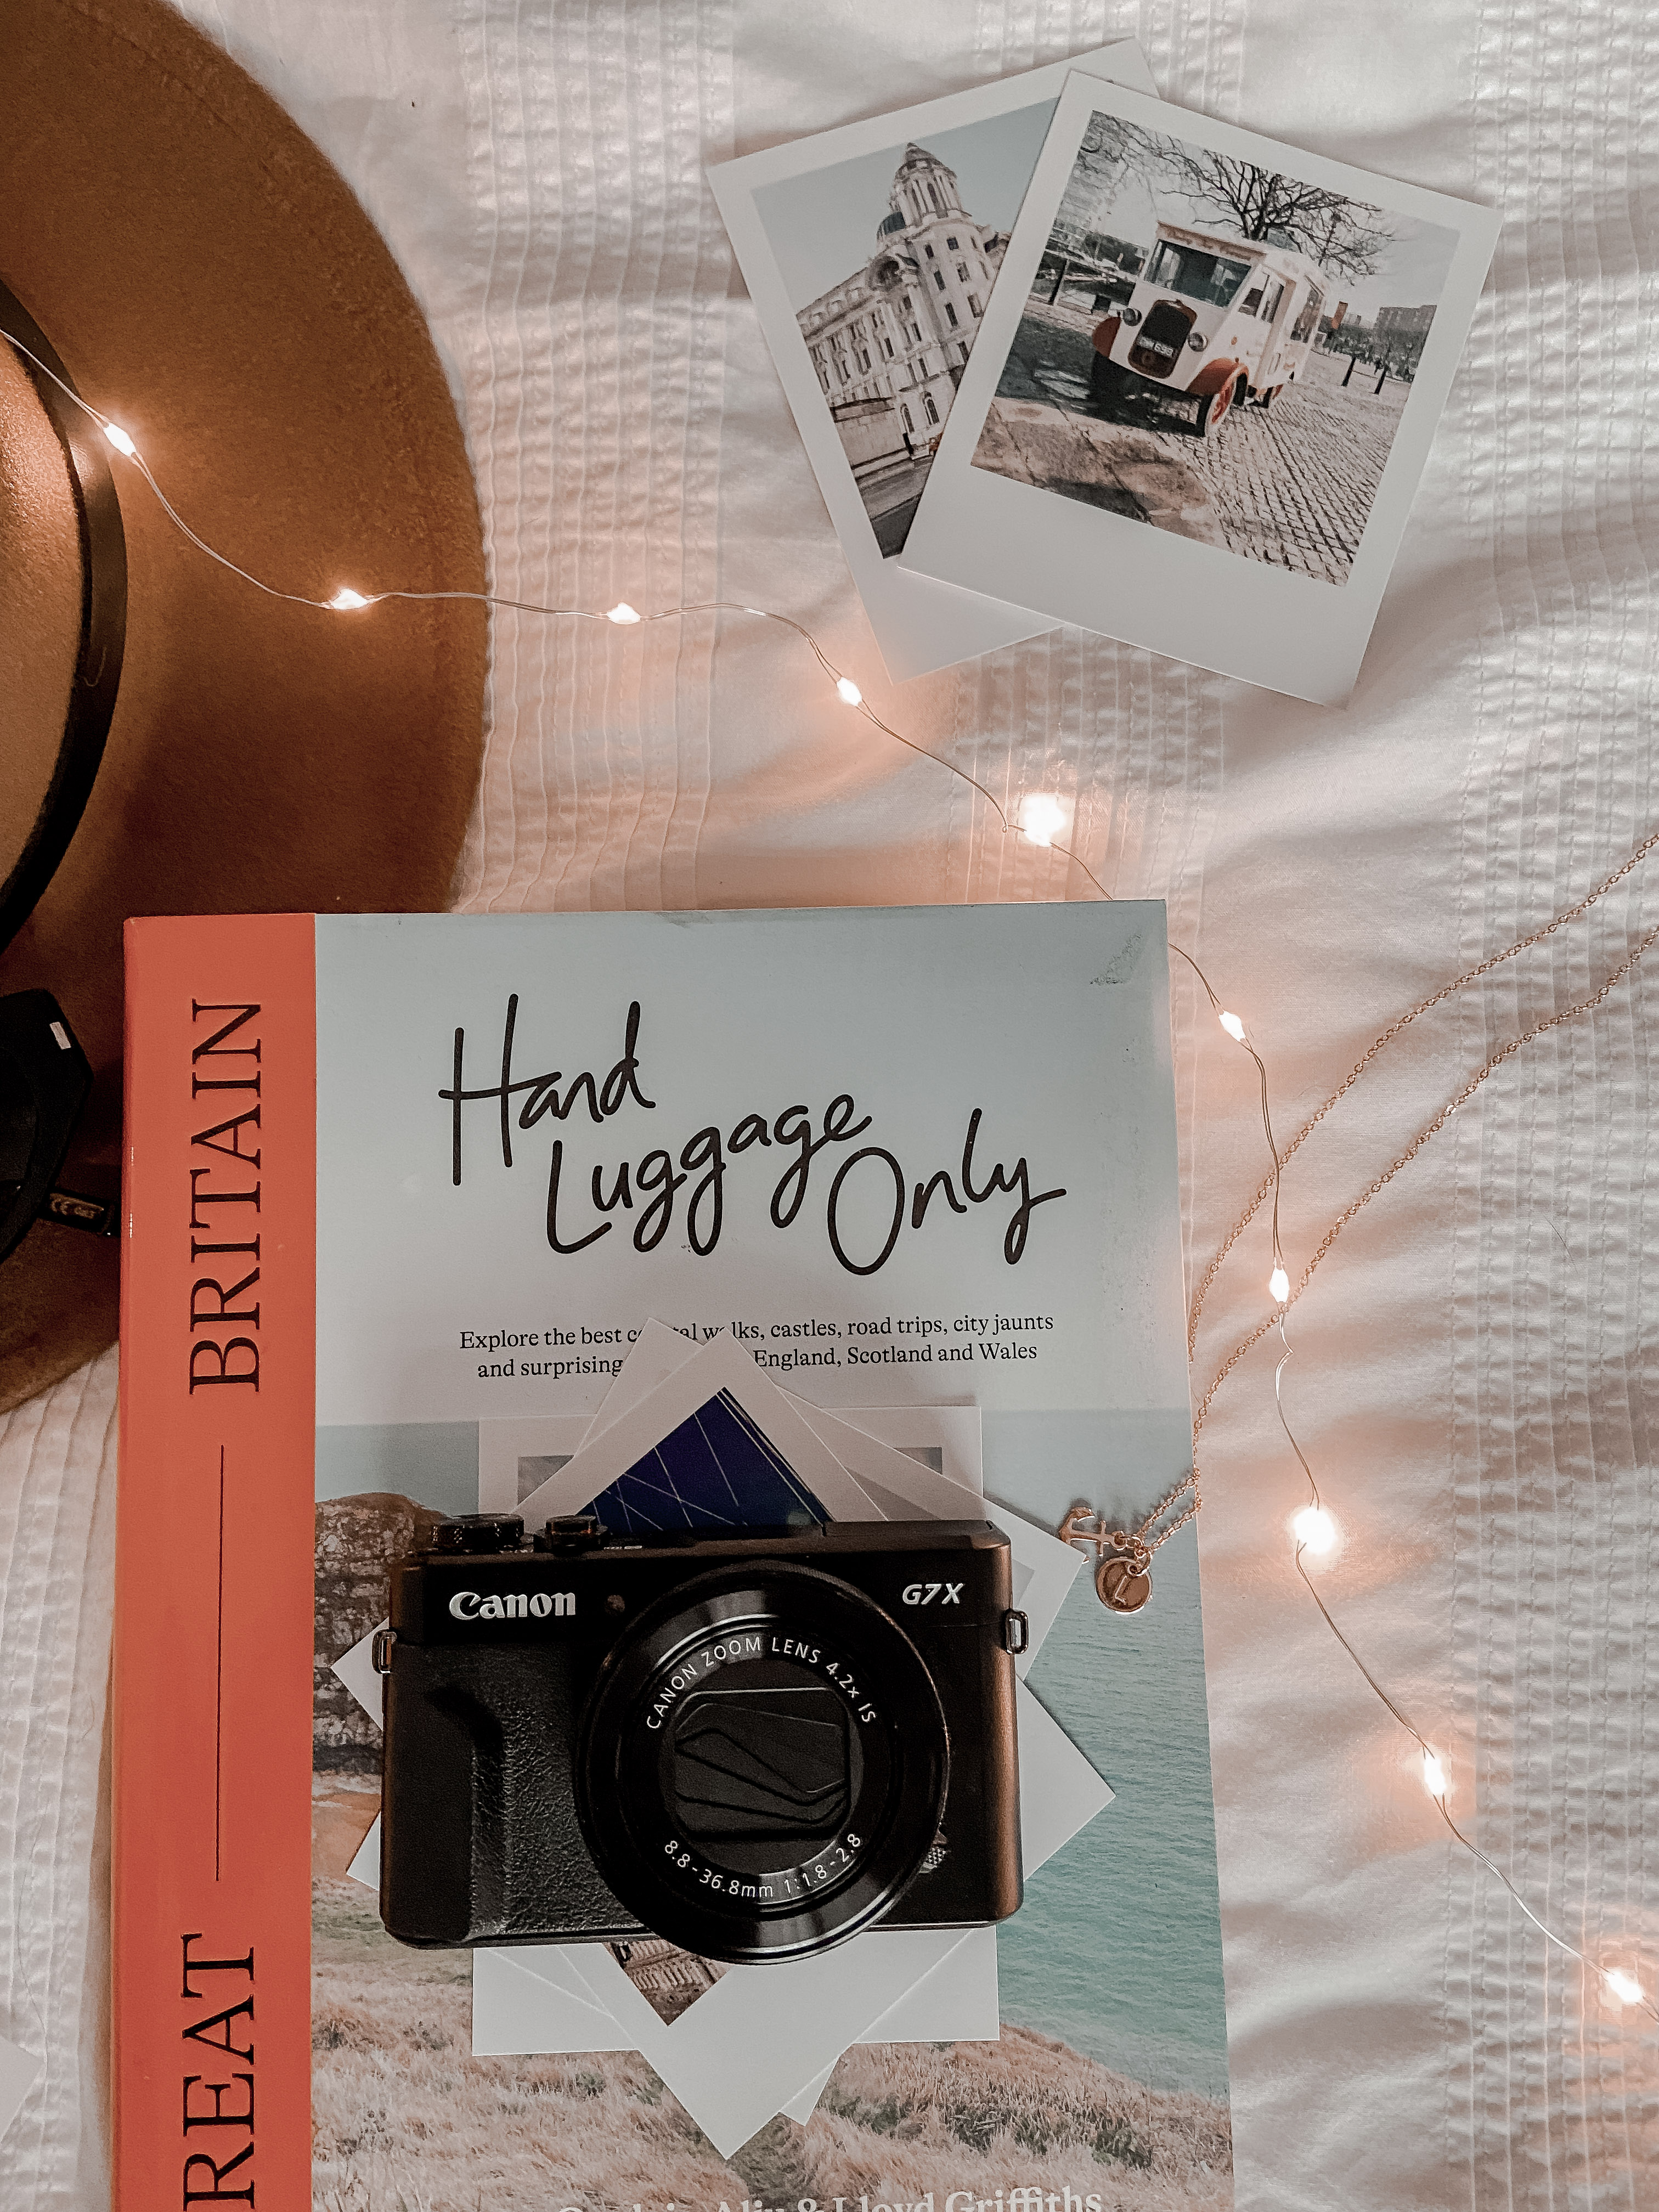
(1476, 1374)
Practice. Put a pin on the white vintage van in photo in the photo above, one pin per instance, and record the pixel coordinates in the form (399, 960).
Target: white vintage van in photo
(1217, 318)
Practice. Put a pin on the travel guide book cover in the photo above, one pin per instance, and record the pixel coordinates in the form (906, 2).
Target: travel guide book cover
(846, 1242)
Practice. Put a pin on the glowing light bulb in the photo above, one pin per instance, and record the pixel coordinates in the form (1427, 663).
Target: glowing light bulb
(1434, 1776)
(346, 601)
(622, 613)
(1278, 1286)
(118, 437)
(851, 695)
(1315, 1530)
(1234, 1028)
(1042, 815)
(1625, 1987)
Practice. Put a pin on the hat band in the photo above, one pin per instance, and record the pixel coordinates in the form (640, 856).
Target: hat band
(103, 627)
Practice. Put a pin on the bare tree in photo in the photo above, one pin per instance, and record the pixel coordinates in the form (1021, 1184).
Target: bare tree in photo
(1101, 150)
(1347, 237)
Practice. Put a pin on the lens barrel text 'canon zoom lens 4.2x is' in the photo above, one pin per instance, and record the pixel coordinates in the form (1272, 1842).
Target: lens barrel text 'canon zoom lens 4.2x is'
(754, 1745)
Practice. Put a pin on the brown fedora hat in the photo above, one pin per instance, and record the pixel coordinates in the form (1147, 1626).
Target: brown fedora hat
(209, 283)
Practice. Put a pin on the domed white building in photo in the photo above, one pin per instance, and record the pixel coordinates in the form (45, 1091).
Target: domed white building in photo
(890, 342)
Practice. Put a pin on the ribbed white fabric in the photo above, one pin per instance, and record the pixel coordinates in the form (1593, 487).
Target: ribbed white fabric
(58, 1541)
(1473, 1377)
(593, 400)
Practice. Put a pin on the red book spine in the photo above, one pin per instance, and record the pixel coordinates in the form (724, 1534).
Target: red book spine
(212, 1687)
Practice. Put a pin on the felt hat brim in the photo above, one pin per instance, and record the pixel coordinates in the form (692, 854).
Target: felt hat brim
(212, 285)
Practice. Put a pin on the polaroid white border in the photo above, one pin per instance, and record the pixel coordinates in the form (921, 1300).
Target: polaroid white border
(747, 2048)
(920, 624)
(526, 2000)
(955, 1432)
(660, 1351)
(756, 2043)
(502, 1444)
(932, 2012)
(1151, 588)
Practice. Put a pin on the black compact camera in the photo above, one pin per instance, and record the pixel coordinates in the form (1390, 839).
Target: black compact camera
(752, 1744)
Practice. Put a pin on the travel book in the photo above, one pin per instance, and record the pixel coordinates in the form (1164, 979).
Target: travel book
(504, 1293)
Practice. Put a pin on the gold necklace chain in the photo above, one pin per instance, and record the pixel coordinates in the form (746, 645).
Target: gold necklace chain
(1430, 1130)
(1378, 1044)
(1123, 1557)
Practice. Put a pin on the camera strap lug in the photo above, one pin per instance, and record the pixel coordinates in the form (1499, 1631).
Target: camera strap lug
(380, 1651)
(1016, 1632)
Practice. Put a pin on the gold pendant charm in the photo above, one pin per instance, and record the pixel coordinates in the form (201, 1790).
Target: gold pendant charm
(1121, 1585)
(1123, 1582)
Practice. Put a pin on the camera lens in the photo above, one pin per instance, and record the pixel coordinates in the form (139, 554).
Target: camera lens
(744, 1768)
(762, 1765)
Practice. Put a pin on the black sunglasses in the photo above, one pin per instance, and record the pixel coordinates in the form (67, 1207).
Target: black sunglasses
(44, 1074)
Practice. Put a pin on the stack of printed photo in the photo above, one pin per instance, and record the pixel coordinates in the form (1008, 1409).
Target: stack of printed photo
(1060, 352)
(696, 1440)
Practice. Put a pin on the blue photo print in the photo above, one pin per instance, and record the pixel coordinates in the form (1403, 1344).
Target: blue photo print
(716, 1470)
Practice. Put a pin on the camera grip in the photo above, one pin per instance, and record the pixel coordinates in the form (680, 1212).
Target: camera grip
(489, 1832)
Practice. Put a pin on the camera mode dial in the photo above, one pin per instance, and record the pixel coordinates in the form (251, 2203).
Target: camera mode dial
(479, 1532)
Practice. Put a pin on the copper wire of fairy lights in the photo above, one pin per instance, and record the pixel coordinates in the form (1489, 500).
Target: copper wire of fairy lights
(1313, 1528)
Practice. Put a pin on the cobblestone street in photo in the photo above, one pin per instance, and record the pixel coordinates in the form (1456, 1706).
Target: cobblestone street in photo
(1292, 485)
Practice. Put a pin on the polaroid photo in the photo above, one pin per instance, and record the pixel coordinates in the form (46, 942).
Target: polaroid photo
(899, 1484)
(519, 1455)
(658, 1351)
(957, 2003)
(1204, 393)
(926, 1488)
(715, 1444)
(534, 2000)
(923, 1461)
(871, 253)
(750, 2041)
(755, 2042)
(948, 1438)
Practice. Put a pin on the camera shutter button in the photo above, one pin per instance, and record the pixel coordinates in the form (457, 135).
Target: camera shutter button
(572, 1532)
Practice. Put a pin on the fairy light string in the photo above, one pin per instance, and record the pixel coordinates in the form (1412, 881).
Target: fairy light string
(1313, 1530)
(1430, 1130)
(1379, 1043)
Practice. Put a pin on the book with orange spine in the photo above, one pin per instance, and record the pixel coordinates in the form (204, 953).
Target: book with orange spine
(409, 1201)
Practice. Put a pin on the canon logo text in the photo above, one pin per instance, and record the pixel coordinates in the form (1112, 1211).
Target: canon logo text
(513, 1604)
